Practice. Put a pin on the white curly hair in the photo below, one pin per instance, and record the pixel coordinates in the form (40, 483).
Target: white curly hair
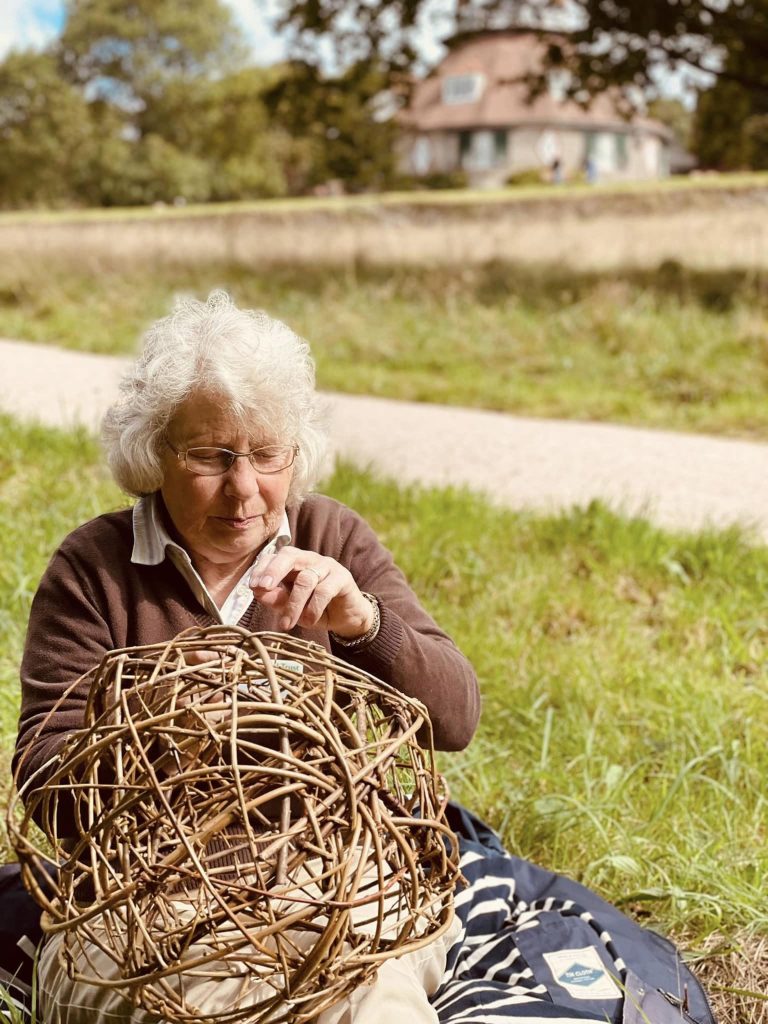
(261, 369)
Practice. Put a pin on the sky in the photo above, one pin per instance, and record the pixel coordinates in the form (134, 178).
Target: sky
(32, 23)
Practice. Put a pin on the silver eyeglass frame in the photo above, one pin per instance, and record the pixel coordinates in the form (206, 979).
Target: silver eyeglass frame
(182, 457)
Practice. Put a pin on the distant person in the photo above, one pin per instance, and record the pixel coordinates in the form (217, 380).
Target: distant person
(590, 170)
(556, 170)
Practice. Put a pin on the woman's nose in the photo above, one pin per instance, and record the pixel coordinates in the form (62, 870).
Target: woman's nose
(241, 478)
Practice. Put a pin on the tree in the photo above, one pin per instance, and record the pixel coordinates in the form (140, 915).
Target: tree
(756, 131)
(225, 122)
(159, 79)
(130, 53)
(332, 123)
(609, 43)
(676, 116)
(718, 130)
(46, 135)
(142, 101)
(729, 129)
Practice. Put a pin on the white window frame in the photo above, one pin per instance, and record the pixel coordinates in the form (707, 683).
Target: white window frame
(458, 89)
(421, 155)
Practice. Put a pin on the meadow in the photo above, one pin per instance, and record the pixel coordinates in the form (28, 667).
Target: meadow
(709, 223)
(670, 347)
(650, 194)
(624, 737)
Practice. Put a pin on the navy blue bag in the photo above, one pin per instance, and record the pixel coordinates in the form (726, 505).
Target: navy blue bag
(20, 934)
(537, 944)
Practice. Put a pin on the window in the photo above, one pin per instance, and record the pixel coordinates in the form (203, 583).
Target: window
(482, 150)
(462, 88)
(421, 155)
(601, 152)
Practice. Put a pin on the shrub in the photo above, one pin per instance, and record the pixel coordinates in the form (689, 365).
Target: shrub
(529, 176)
(445, 179)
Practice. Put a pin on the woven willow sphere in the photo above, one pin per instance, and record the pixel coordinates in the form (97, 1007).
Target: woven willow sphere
(265, 817)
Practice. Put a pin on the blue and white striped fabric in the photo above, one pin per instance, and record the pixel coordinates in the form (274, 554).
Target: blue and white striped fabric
(536, 948)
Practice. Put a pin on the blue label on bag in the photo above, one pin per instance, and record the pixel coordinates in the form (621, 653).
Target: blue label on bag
(580, 975)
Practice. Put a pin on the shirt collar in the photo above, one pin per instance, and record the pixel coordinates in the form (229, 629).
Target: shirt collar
(151, 538)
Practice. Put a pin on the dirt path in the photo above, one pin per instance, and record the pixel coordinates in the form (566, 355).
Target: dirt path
(679, 480)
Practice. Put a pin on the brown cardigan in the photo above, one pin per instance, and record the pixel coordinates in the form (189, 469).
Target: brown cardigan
(93, 599)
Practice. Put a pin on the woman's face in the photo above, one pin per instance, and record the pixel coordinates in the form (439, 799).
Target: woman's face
(221, 519)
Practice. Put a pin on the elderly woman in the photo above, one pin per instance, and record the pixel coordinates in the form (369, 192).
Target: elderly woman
(216, 434)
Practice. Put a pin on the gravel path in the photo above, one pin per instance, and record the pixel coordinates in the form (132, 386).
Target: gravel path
(678, 480)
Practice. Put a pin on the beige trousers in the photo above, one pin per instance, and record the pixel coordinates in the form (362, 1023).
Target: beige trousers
(398, 992)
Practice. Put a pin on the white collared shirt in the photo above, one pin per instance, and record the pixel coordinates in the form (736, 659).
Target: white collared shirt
(152, 544)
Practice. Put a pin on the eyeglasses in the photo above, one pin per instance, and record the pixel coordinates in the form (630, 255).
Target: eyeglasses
(272, 458)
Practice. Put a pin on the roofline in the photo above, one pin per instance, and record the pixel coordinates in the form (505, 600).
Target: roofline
(647, 127)
(459, 38)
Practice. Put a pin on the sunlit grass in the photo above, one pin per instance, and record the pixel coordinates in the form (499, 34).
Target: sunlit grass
(623, 670)
(670, 348)
(443, 197)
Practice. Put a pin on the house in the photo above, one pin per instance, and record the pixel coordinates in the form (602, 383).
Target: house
(473, 114)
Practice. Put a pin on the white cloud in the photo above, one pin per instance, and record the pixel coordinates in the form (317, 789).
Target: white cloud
(29, 23)
(254, 18)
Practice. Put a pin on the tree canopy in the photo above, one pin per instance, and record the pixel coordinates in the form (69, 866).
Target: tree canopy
(609, 43)
(129, 53)
(45, 131)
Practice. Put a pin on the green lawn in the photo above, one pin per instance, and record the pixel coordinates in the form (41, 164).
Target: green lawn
(670, 348)
(680, 186)
(624, 737)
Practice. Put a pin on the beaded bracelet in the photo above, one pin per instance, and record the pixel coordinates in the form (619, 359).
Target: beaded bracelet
(369, 634)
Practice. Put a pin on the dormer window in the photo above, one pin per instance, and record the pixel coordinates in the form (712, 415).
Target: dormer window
(463, 88)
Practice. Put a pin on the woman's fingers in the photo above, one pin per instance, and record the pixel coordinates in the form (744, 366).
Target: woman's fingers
(291, 562)
(324, 591)
(309, 589)
(199, 657)
(310, 593)
(292, 586)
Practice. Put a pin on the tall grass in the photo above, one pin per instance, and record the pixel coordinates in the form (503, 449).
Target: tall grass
(710, 226)
(670, 348)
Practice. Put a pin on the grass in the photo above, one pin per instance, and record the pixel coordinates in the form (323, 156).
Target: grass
(624, 738)
(669, 348)
(48, 482)
(679, 186)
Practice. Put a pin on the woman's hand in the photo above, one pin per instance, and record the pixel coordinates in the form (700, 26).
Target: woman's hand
(312, 590)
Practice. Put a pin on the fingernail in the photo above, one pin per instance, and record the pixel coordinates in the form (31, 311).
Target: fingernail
(263, 581)
(285, 622)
